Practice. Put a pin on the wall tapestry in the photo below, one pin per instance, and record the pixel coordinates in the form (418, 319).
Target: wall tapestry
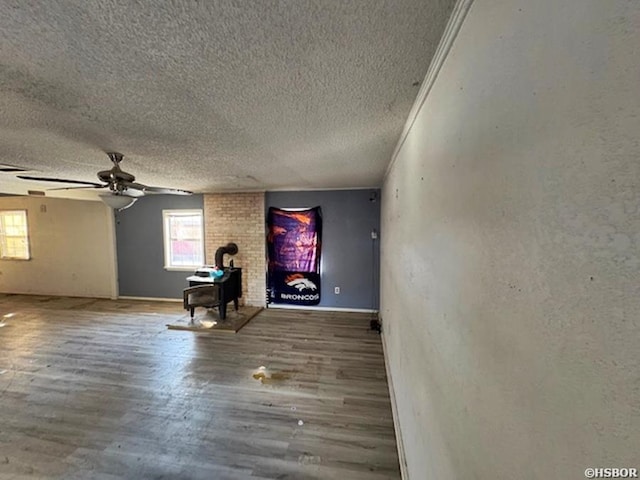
(293, 248)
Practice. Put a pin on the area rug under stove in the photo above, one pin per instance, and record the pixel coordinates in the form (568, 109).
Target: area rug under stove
(210, 321)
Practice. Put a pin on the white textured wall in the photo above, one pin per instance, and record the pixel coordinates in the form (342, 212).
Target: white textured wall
(511, 248)
(72, 249)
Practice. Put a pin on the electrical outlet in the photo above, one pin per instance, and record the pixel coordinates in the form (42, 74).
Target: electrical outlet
(374, 234)
(336, 290)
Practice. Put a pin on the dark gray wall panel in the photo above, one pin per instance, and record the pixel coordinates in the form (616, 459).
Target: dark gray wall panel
(350, 258)
(140, 247)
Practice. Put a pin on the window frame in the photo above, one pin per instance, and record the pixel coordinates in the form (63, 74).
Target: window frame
(26, 236)
(166, 237)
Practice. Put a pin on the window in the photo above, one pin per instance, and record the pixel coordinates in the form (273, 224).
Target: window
(14, 235)
(183, 239)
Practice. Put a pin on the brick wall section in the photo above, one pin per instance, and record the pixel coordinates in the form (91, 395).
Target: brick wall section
(239, 218)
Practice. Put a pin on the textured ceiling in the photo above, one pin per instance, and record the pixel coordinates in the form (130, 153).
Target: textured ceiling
(212, 95)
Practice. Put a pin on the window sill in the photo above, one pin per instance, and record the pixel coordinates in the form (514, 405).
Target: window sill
(182, 269)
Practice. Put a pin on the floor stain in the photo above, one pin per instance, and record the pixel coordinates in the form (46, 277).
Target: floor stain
(273, 377)
(308, 459)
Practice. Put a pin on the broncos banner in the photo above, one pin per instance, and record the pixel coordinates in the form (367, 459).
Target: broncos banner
(293, 246)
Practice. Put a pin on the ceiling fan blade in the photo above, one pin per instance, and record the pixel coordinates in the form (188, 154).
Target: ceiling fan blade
(166, 191)
(76, 188)
(132, 185)
(158, 190)
(132, 189)
(61, 180)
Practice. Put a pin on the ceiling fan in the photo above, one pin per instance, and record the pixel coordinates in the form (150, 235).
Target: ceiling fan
(119, 182)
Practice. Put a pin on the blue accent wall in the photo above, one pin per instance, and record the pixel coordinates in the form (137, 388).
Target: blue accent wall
(140, 247)
(350, 257)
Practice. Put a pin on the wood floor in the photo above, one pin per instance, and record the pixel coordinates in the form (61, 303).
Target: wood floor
(99, 389)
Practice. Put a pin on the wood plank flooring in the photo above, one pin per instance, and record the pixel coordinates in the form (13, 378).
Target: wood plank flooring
(100, 389)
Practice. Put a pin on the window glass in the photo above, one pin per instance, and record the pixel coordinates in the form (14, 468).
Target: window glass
(14, 235)
(183, 239)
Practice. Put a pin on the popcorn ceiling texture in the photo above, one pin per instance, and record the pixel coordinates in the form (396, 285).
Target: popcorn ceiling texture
(239, 218)
(213, 96)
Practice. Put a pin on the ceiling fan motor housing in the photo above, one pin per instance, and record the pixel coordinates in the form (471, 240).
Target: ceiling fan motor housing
(115, 175)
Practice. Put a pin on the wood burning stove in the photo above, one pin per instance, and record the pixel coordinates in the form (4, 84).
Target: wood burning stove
(206, 290)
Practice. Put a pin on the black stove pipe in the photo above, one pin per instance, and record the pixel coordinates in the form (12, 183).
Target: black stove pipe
(230, 249)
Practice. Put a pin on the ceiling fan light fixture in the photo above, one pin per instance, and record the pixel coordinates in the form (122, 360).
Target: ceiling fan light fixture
(118, 202)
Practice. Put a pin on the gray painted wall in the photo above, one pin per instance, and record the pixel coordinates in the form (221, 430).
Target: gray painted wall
(349, 258)
(140, 247)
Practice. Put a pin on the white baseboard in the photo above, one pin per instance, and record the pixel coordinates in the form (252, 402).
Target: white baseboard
(327, 309)
(394, 411)
(150, 299)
